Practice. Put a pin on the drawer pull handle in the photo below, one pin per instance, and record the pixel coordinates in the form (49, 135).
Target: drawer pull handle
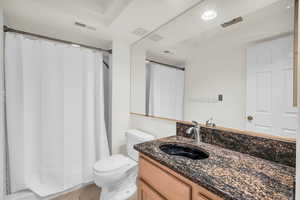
(203, 196)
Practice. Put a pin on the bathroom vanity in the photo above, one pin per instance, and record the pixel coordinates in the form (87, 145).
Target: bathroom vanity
(164, 183)
(225, 174)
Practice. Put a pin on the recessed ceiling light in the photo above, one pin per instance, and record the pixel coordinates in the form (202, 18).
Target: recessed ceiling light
(209, 15)
(75, 45)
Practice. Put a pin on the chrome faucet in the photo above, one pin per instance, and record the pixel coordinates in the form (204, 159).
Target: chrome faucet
(195, 129)
(209, 123)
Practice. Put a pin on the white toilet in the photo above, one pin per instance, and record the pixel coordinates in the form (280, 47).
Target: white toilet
(116, 175)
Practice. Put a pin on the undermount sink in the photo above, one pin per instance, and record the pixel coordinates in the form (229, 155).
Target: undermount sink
(184, 151)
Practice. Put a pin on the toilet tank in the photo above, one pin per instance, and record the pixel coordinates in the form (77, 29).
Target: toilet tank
(133, 137)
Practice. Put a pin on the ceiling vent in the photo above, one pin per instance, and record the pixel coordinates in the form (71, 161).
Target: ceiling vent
(140, 31)
(82, 25)
(168, 52)
(232, 22)
(155, 37)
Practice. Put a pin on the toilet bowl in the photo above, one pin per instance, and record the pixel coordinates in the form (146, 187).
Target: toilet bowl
(116, 175)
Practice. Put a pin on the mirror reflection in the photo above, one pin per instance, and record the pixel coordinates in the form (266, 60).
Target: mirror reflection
(164, 90)
(232, 67)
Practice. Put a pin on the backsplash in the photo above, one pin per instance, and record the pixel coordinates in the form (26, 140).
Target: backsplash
(282, 152)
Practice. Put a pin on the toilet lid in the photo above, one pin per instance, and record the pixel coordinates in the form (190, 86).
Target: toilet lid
(112, 163)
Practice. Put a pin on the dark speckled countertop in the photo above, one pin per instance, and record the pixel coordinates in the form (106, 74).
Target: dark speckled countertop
(229, 174)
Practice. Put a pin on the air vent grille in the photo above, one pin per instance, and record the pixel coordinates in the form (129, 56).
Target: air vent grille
(232, 22)
(140, 31)
(82, 25)
(155, 37)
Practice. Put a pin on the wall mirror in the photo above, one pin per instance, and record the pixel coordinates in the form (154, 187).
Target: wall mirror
(231, 61)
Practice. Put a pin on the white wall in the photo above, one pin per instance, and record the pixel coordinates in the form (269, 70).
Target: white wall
(1, 110)
(57, 25)
(120, 94)
(211, 72)
(157, 127)
(138, 79)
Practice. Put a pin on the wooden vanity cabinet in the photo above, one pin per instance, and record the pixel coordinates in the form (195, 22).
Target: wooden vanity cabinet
(157, 182)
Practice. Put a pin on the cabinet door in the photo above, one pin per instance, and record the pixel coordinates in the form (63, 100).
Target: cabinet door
(168, 185)
(147, 193)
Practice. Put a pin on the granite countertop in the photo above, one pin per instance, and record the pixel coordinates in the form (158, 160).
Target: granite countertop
(228, 174)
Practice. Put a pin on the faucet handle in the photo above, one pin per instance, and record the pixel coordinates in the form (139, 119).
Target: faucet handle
(209, 122)
(195, 123)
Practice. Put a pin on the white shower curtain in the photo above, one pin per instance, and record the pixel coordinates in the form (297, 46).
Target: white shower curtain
(166, 91)
(55, 114)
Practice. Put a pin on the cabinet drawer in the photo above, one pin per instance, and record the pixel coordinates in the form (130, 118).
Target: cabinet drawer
(163, 182)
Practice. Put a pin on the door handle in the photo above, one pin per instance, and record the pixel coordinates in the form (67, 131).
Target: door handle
(250, 118)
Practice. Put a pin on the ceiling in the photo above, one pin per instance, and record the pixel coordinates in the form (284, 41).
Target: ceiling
(102, 11)
(110, 18)
(271, 21)
(262, 19)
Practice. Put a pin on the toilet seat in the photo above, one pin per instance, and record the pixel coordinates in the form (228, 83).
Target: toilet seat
(113, 164)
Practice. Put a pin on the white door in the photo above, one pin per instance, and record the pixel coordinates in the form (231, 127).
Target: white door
(270, 88)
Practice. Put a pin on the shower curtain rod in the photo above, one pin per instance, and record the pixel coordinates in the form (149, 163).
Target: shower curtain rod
(167, 65)
(8, 29)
